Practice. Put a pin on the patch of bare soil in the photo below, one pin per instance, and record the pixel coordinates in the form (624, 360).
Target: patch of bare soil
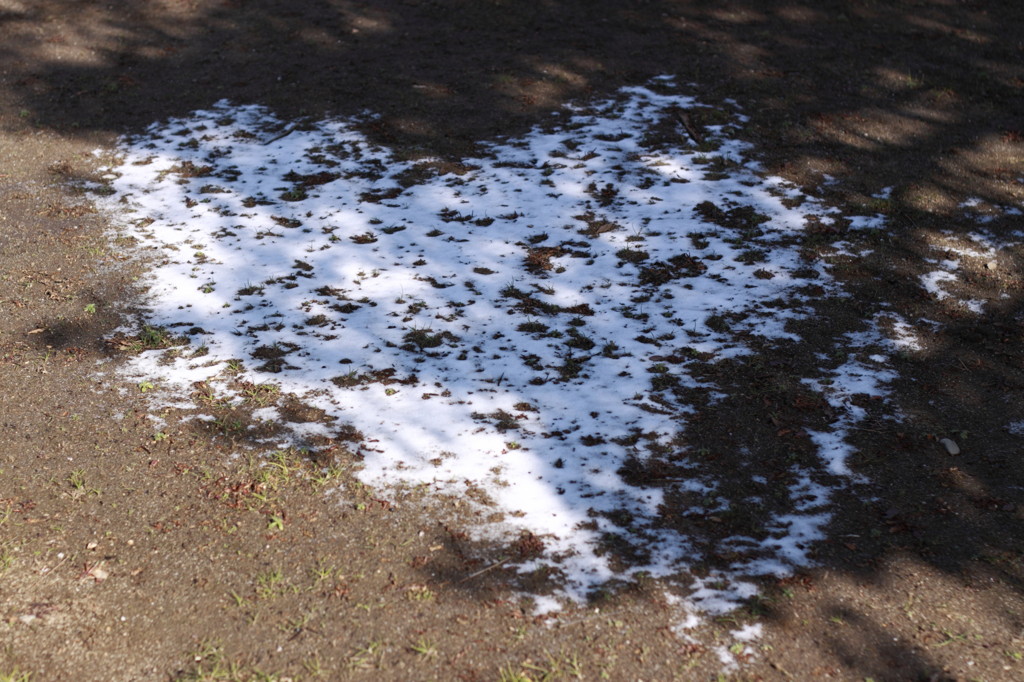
(140, 546)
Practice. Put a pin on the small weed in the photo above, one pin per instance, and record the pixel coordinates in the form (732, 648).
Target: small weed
(6, 561)
(260, 395)
(15, 675)
(210, 665)
(424, 647)
(511, 673)
(370, 656)
(420, 593)
(313, 666)
(321, 572)
(950, 639)
(229, 425)
(296, 624)
(207, 394)
(282, 466)
(270, 584)
(561, 667)
(321, 478)
(77, 481)
(151, 338)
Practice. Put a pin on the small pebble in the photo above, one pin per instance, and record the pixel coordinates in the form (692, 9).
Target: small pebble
(951, 447)
(991, 265)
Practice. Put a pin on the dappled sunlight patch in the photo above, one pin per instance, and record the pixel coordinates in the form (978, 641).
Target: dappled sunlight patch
(539, 324)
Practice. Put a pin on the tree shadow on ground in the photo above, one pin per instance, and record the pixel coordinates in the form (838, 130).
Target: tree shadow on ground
(923, 97)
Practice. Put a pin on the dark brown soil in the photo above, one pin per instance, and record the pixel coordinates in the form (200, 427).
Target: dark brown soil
(132, 549)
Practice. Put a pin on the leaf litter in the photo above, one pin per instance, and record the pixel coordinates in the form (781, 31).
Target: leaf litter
(531, 323)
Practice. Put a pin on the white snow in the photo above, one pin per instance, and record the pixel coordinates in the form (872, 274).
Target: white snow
(748, 633)
(931, 281)
(903, 336)
(528, 318)
(973, 245)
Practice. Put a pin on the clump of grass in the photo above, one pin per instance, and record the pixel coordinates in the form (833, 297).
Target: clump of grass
(578, 341)
(699, 240)
(740, 217)
(295, 194)
(680, 265)
(364, 238)
(533, 327)
(285, 222)
(249, 290)
(364, 658)
(538, 259)
(664, 382)
(271, 584)
(752, 256)
(503, 421)
(6, 561)
(570, 368)
(150, 338)
(421, 339)
(16, 674)
(632, 255)
(260, 395)
(595, 225)
(424, 647)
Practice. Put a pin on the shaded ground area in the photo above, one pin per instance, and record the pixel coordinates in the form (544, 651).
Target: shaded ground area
(135, 549)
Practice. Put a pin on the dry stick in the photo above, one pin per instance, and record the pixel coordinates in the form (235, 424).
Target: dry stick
(484, 570)
(691, 129)
(286, 133)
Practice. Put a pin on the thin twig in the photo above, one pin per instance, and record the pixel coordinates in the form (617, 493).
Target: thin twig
(692, 130)
(282, 135)
(484, 570)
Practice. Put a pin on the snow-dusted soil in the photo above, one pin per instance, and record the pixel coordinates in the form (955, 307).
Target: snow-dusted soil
(523, 326)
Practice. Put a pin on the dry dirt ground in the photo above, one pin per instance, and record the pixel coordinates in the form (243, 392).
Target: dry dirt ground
(129, 552)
